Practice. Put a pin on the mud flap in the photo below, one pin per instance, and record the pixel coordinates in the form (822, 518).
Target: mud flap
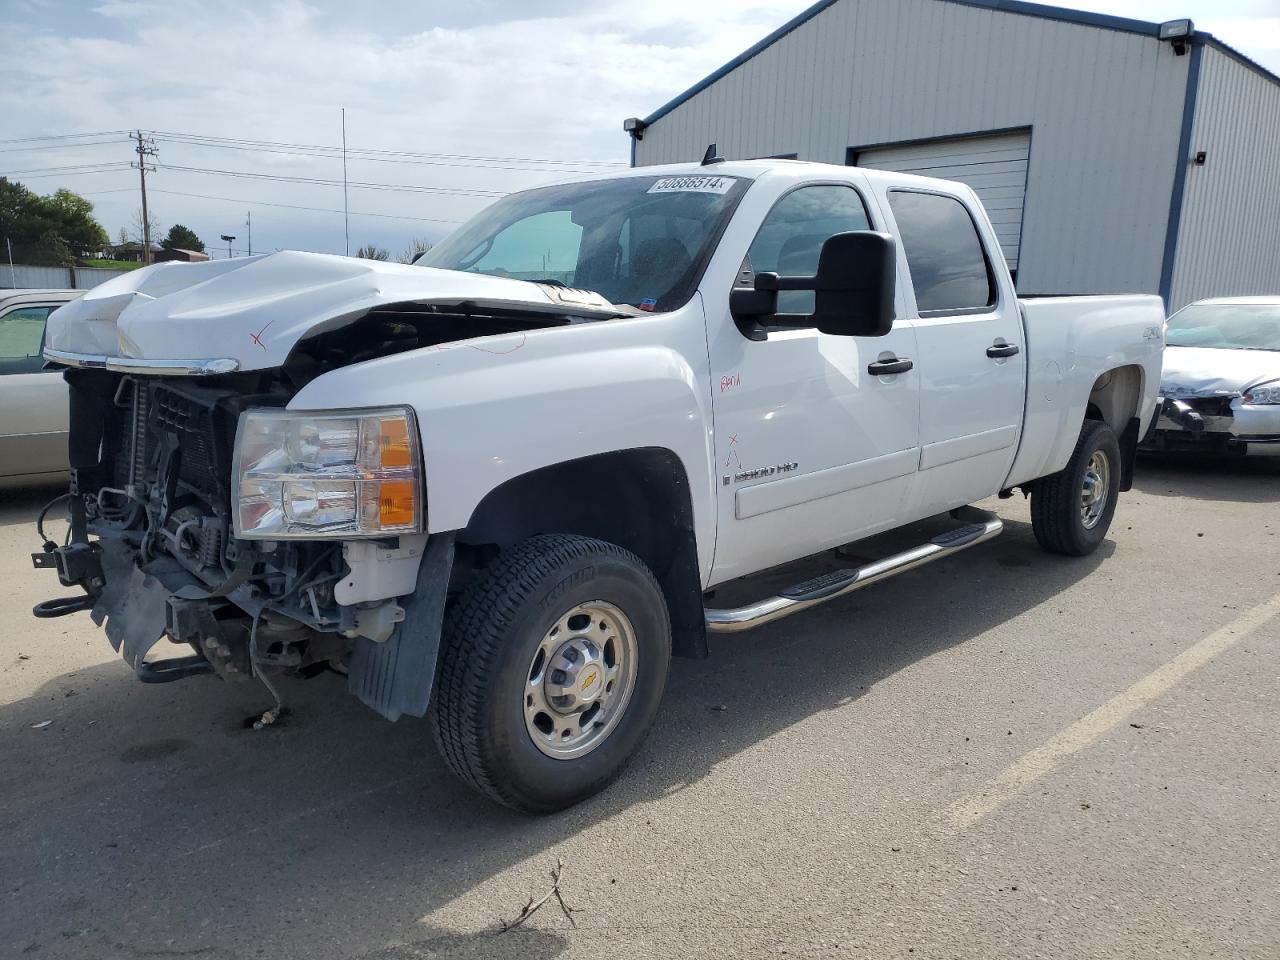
(396, 677)
(1129, 450)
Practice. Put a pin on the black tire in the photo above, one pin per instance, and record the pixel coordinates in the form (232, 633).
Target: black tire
(1056, 515)
(492, 636)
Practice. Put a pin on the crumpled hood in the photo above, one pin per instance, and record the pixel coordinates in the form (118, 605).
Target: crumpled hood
(254, 309)
(1207, 372)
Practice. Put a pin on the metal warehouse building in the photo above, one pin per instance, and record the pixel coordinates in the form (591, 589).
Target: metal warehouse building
(1114, 155)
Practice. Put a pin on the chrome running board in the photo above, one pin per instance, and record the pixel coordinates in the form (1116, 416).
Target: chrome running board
(982, 526)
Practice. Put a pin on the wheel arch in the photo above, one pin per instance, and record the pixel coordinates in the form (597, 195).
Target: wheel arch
(1115, 398)
(637, 498)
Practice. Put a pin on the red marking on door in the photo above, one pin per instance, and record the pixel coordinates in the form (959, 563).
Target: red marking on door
(731, 381)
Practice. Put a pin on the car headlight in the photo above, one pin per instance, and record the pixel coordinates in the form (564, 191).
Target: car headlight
(1267, 394)
(327, 475)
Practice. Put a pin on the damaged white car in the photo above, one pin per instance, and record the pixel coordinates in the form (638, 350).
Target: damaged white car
(1221, 380)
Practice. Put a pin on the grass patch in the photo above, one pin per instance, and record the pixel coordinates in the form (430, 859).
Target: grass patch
(112, 264)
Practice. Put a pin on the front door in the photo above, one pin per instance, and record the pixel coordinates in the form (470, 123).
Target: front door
(813, 449)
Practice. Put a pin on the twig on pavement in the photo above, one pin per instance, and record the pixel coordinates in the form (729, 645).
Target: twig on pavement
(531, 907)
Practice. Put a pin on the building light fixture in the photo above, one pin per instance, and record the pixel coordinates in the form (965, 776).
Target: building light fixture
(1178, 34)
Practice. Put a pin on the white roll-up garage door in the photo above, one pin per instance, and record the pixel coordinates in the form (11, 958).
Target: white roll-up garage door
(995, 166)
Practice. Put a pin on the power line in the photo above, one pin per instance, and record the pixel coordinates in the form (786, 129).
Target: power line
(357, 154)
(336, 150)
(325, 182)
(290, 206)
(65, 146)
(197, 139)
(67, 136)
(70, 171)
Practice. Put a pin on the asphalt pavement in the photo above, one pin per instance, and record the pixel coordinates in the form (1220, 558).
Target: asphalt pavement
(1006, 754)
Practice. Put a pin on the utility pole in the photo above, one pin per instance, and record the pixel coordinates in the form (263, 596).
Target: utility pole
(248, 222)
(145, 147)
(346, 218)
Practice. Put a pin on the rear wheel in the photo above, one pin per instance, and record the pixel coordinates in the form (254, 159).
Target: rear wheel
(551, 671)
(1071, 510)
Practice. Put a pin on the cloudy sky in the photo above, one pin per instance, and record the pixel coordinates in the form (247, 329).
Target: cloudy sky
(488, 95)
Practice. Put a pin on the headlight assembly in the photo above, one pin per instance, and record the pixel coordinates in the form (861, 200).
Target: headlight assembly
(327, 475)
(1269, 393)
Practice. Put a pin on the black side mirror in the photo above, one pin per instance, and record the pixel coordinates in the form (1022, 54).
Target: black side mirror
(854, 286)
(853, 290)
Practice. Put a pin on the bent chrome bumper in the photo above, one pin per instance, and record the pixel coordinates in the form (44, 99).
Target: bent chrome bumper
(157, 368)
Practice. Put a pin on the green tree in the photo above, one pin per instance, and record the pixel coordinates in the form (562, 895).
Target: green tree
(182, 238)
(50, 230)
(370, 252)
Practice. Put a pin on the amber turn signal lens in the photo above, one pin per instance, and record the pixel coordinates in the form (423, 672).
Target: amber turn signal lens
(393, 442)
(395, 503)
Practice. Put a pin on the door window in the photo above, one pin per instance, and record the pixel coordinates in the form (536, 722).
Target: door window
(949, 268)
(21, 339)
(791, 237)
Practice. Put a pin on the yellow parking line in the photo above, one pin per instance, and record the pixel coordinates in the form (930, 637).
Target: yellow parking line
(1052, 754)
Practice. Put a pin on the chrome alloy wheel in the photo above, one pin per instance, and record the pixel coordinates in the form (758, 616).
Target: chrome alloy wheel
(1094, 492)
(580, 680)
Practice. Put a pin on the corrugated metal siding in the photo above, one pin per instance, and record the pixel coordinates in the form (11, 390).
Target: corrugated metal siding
(1229, 236)
(994, 166)
(25, 277)
(1105, 108)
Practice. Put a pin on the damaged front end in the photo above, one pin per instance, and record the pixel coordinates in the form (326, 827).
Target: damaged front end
(286, 560)
(156, 544)
(152, 535)
(1230, 424)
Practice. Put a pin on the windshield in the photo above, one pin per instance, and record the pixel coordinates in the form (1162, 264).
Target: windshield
(642, 241)
(1226, 326)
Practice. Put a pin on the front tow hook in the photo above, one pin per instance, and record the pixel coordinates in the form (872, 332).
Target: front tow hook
(78, 565)
(61, 606)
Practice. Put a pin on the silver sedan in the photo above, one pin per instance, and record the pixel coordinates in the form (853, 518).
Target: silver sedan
(1221, 380)
(33, 401)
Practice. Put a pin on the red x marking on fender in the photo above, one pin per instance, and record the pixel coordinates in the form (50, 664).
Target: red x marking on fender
(257, 337)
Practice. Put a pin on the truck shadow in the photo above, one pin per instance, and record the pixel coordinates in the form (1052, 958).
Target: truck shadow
(145, 818)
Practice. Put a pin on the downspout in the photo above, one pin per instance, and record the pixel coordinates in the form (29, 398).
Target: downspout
(1180, 171)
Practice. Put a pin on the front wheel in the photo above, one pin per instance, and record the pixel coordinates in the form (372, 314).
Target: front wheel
(551, 671)
(1071, 510)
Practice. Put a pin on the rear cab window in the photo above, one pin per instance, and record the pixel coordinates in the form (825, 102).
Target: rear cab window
(950, 269)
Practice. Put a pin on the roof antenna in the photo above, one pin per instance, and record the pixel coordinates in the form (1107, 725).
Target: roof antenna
(711, 156)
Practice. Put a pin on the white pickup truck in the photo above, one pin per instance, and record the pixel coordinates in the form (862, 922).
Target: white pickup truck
(502, 483)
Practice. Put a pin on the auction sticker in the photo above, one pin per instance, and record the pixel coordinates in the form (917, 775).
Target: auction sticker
(693, 185)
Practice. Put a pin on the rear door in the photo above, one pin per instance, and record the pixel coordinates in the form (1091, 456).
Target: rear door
(969, 341)
(33, 401)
